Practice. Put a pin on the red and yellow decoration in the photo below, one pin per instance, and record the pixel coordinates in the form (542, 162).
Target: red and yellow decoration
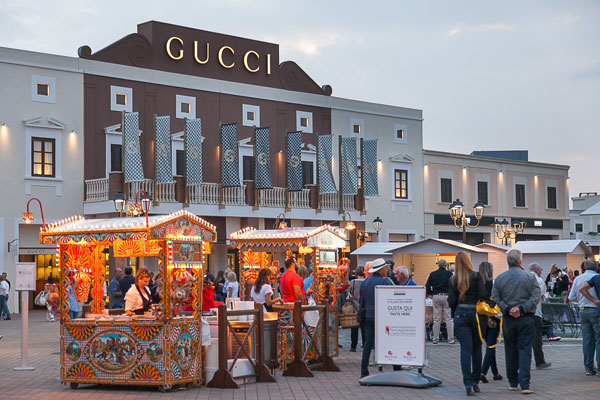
(146, 372)
(81, 371)
(81, 332)
(145, 332)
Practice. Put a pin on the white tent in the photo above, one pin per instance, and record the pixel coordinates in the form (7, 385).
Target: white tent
(564, 253)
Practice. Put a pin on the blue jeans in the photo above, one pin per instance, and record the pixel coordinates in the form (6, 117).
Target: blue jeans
(489, 360)
(73, 315)
(590, 332)
(4, 307)
(465, 327)
(368, 345)
(519, 334)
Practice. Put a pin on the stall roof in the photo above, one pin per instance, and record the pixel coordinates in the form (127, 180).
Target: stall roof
(78, 229)
(432, 245)
(273, 238)
(494, 246)
(553, 247)
(593, 210)
(376, 249)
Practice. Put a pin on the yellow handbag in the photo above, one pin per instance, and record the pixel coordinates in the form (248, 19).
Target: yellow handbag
(483, 308)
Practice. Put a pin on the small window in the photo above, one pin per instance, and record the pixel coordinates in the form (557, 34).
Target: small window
(307, 173)
(179, 162)
(551, 197)
(42, 160)
(356, 128)
(304, 122)
(115, 158)
(250, 115)
(401, 184)
(598, 228)
(186, 107)
(43, 89)
(578, 227)
(359, 175)
(121, 99)
(248, 168)
(400, 134)
(446, 190)
(520, 195)
(482, 192)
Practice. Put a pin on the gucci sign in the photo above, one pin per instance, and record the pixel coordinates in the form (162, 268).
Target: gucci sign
(175, 50)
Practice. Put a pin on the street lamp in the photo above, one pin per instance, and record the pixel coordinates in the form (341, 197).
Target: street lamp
(377, 225)
(349, 226)
(457, 213)
(28, 216)
(120, 202)
(504, 231)
(280, 222)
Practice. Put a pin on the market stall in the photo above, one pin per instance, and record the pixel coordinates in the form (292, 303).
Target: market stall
(162, 347)
(322, 243)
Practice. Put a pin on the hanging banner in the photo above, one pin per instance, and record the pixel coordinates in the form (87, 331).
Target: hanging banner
(400, 325)
(192, 142)
(230, 172)
(324, 158)
(294, 164)
(262, 159)
(369, 168)
(163, 169)
(132, 158)
(349, 172)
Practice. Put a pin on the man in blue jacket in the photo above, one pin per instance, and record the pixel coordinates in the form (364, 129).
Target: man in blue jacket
(379, 271)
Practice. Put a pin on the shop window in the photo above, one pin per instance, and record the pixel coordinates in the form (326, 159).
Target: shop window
(446, 190)
(401, 184)
(42, 157)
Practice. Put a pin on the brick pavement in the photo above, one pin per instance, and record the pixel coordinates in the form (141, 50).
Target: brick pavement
(565, 379)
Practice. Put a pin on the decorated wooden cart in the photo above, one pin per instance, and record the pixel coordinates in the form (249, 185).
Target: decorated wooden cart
(259, 249)
(161, 347)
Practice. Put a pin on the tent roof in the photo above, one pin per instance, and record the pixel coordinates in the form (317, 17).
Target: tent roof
(378, 249)
(324, 235)
(552, 247)
(593, 210)
(494, 246)
(432, 245)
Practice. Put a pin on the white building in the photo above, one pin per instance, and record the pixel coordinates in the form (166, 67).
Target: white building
(585, 220)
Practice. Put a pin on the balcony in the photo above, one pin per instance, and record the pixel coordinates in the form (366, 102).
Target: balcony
(276, 198)
(96, 190)
(331, 201)
(208, 193)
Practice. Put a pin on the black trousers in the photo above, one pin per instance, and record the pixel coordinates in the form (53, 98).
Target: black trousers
(354, 335)
(519, 335)
(538, 354)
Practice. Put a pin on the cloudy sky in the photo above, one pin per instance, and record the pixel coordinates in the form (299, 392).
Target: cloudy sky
(487, 75)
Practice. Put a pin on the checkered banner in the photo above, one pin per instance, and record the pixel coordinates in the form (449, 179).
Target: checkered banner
(230, 170)
(192, 142)
(262, 159)
(326, 182)
(349, 173)
(294, 163)
(163, 169)
(132, 158)
(369, 168)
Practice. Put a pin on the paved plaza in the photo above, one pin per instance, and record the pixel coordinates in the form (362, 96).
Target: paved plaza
(565, 379)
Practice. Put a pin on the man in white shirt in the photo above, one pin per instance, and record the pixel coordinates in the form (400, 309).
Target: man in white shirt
(538, 354)
(590, 322)
(4, 288)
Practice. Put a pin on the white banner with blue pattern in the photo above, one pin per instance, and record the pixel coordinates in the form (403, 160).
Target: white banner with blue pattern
(163, 169)
(230, 172)
(192, 142)
(262, 159)
(369, 168)
(349, 172)
(132, 157)
(324, 158)
(294, 161)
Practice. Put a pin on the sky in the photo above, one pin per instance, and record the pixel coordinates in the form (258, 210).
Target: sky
(488, 75)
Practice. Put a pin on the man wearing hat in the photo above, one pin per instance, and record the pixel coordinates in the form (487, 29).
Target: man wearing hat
(437, 289)
(378, 276)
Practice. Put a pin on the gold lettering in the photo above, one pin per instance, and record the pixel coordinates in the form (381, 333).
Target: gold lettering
(268, 64)
(221, 57)
(196, 53)
(169, 48)
(246, 61)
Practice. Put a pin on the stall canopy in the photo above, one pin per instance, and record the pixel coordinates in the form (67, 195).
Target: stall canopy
(277, 240)
(564, 253)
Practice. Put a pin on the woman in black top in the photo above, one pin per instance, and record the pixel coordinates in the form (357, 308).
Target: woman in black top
(465, 290)
(490, 327)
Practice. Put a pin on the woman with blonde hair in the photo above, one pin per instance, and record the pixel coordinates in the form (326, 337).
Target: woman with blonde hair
(465, 290)
(139, 298)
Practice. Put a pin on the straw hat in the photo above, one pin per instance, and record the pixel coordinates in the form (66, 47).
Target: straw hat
(377, 264)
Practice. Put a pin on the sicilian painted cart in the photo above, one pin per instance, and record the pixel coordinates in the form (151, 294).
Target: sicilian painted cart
(161, 347)
(322, 242)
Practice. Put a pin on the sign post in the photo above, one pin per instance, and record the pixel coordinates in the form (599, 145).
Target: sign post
(400, 336)
(24, 282)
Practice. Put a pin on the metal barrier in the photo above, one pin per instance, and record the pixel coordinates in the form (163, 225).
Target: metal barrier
(223, 378)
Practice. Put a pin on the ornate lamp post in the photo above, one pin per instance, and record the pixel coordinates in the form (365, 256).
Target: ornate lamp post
(28, 216)
(136, 209)
(459, 217)
(280, 222)
(504, 231)
(349, 225)
(377, 225)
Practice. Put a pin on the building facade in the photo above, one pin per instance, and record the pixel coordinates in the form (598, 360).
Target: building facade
(511, 188)
(585, 220)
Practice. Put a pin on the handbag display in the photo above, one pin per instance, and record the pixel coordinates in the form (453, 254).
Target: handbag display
(485, 309)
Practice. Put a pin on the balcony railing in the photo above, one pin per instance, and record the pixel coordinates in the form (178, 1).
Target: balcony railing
(96, 190)
(300, 199)
(165, 192)
(331, 201)
(271, 197)
(146, 185)
(208, 193)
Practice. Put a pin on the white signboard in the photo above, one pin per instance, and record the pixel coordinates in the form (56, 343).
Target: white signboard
(25, 276)
(400, 325)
